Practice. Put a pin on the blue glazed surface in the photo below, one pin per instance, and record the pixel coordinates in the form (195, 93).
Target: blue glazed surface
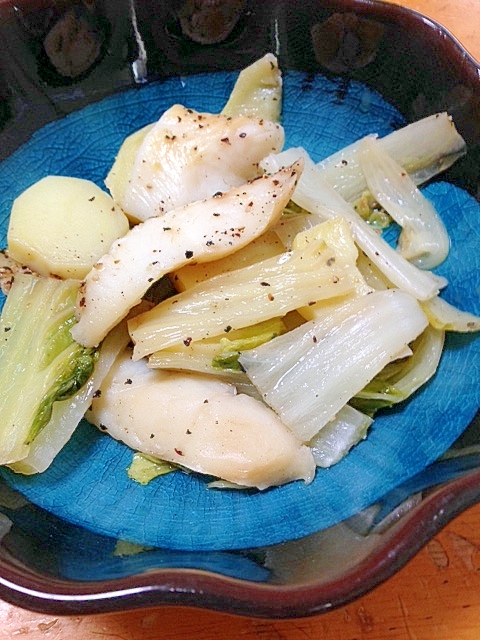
(88, 484)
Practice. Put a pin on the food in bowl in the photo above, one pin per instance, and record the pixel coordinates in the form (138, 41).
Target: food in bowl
(388, 285)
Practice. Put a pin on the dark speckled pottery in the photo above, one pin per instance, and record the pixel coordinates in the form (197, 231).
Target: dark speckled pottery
(56, 57)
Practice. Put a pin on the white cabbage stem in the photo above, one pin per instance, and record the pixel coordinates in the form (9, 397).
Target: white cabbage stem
(443, 315)
(423, 148)
(316, 271)
(334, 441)
(423, 239)
(310, 373)
(320, 199)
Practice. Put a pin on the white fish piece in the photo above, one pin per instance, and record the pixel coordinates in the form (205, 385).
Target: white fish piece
(188, 156)
(199, 232)
(200, 423)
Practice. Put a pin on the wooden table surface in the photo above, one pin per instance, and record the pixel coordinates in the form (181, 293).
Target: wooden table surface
(436, 596)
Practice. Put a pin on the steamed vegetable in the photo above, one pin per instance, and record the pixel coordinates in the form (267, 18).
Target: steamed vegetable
(304, 319)
(67, 414)
(265, 246)
(218, 354)
(337, 235)
(40, 362)
(61, 226)
(144, 468)
(199, 423)
(320, 199)
(423, 148)
(337, 437)
(201, 231)
(322, 268)
(423, 239)
(400, 379)
(310, 373)
(258, 91)
(9, 269)
(443, 315)
(117, 179)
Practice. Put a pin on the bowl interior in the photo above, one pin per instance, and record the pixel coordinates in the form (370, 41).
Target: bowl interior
(418, 70)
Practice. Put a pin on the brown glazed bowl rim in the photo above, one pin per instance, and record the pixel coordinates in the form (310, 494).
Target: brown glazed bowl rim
(26, 586)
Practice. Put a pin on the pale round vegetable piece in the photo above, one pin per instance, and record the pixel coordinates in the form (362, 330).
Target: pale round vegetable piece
(119, 175)
(61, 226)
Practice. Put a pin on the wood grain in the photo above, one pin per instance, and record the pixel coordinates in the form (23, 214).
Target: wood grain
(437, 595)
(460, 17)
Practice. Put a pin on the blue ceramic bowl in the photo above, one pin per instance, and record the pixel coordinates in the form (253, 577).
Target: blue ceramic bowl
(77, 77)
